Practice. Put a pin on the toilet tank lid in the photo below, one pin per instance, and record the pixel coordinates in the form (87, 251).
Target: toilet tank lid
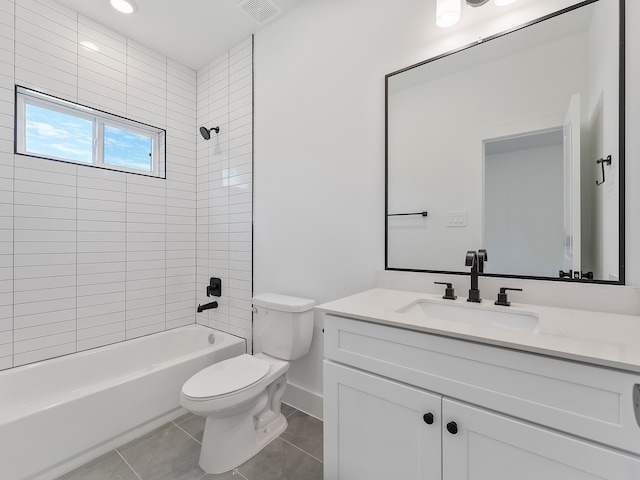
(283, 303)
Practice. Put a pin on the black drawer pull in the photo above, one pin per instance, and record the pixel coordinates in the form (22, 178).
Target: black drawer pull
(452, 428)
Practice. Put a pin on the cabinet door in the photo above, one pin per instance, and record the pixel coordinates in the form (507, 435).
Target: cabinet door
(489, 446)
(375, 429)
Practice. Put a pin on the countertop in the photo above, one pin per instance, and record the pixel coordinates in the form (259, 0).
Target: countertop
(604, 339)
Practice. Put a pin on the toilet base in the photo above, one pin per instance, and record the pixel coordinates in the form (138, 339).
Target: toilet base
(227, 444)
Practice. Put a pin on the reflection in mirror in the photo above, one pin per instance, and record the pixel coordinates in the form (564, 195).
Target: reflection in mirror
(499, 143)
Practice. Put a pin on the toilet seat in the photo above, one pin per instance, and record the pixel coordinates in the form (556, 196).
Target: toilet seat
(226, 377)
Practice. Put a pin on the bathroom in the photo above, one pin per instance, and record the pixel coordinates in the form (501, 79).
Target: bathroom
(317, 180)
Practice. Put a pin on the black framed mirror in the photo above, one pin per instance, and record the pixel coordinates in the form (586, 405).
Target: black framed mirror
(514, 144)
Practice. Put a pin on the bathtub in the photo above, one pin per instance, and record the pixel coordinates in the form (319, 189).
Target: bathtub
(60, 413)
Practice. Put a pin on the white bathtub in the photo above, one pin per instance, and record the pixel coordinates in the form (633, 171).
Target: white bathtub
(60, 413)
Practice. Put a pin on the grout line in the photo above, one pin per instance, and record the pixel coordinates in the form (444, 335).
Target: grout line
(303, 451)
(233, 472)
(125, 461)
(199, 443)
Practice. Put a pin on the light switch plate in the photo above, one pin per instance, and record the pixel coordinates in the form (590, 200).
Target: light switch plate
(456, 219)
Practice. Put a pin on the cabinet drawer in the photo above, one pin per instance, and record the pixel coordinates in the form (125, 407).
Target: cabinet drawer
(584, 400)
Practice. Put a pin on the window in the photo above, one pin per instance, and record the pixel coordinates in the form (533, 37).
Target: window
(49, 127)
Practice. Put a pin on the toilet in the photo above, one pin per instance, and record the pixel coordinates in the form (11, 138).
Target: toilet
(240, 397)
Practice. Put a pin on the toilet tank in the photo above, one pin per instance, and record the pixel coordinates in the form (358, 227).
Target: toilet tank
(283, 325)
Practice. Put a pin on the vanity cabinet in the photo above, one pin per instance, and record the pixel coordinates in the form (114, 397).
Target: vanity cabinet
(375, 428)
(409, 405)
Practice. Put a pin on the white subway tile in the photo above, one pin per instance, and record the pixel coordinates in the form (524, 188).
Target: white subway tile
(50, 259)
(100, 309)
(111, 257)
(36, 306)
(145, 330)
(101, 341)
(58, 348)
(101, 299)
(53, 273)
(44, 318)
(102, 267)
(23, 335)
(92, 236)
(100, 289)
(98, 320)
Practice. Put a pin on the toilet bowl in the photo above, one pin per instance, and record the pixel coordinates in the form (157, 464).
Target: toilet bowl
(241, 397)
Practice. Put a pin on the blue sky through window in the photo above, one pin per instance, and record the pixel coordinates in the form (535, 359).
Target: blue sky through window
(56, 134)
(127, 149)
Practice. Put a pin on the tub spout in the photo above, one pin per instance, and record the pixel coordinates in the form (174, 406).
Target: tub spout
(207, 306)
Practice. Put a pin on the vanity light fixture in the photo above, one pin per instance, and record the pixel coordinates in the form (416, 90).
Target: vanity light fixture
(124, 6)
(448, 11)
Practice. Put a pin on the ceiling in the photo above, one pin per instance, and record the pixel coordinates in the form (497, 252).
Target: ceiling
(191, 32)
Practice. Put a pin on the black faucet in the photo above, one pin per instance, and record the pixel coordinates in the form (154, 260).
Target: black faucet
(207, 306)
(476, 262)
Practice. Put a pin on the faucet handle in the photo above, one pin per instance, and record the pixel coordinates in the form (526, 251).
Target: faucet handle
(471, 258)
(449, 292)
(502, 296)
(482, 257)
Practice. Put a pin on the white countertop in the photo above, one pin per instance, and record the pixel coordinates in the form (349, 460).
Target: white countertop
(605, 339)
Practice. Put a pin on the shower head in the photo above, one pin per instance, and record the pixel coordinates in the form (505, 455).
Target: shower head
(206, 132)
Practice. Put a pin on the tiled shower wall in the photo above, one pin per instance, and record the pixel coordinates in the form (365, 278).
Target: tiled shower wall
(224, 186)
(90, 257)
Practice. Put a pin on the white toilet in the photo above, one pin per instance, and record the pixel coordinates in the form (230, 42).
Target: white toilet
(241, 396)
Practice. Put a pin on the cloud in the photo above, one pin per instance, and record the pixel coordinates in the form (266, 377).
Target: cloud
(46, 130)
(78, 151)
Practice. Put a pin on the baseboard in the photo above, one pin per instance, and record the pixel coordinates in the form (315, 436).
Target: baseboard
(304, 400)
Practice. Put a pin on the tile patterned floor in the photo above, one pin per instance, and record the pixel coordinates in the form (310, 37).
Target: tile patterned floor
(171, 452)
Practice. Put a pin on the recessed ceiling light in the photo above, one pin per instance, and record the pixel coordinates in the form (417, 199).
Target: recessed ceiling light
(124, 6)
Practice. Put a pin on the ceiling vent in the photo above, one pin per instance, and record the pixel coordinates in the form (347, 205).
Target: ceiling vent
(262, 11)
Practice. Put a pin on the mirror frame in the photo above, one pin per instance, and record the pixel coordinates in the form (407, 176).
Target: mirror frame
(621, 150)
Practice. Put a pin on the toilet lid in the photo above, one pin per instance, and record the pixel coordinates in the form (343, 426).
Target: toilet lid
(225, 377)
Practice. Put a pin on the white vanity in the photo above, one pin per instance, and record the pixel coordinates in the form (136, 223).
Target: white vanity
(416, 387)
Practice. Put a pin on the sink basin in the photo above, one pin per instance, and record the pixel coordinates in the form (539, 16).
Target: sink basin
(473, 314)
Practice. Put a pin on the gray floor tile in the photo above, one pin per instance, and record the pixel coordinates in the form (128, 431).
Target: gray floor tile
(232, 475)
(281, 461)
(192, 424)
(305, 432)
(166, 453)
(109, 466)
(287, 410)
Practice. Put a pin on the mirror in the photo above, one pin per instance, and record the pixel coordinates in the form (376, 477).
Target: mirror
(515, 145)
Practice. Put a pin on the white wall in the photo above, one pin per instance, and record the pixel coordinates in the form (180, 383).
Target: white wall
(319, 143)
(224, 187)
(90, 257)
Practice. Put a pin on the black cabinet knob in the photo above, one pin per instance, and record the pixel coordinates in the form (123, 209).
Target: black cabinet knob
(452, 428)
(428, 418)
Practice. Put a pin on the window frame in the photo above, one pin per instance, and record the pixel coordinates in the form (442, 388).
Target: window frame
(99, 119)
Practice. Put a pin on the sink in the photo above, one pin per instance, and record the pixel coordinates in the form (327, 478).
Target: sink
(509, 318)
